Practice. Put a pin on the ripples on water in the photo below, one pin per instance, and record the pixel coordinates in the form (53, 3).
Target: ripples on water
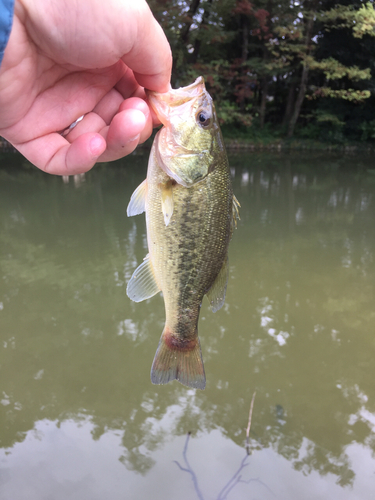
(79, 417)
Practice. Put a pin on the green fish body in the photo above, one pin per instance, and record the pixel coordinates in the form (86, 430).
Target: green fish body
(190, 215)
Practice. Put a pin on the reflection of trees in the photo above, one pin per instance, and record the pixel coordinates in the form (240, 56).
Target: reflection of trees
(299, 330)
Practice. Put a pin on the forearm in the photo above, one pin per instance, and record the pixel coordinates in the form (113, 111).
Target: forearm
(6, 19)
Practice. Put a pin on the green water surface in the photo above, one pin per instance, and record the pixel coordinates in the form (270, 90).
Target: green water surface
(79, 417)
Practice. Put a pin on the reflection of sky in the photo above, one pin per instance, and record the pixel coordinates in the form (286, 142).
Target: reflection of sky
(267, 320)
(61, 460)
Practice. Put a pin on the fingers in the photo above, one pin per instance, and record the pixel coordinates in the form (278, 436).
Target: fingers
(109, 105)
(59, 104)
(91, 140)
(55, 155)
(130, 127)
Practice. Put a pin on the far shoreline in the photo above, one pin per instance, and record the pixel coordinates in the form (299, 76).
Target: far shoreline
(244, 145)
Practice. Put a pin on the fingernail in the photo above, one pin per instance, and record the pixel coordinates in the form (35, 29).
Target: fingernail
(135, 138)
(139, 118)
(97, 146)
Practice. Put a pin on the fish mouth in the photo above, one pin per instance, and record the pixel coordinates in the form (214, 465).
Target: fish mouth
(184, 161)
(163, 102)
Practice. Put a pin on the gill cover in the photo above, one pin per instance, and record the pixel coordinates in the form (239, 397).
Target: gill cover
(185, 146)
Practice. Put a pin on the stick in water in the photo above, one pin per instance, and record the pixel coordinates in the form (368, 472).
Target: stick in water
(249, 424)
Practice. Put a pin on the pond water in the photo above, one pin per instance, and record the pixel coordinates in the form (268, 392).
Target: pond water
(79, 417)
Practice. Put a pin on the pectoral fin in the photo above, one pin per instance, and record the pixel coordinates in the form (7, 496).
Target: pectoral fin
(216, 294)
(138, 200)
(142, 284)
(167, 201)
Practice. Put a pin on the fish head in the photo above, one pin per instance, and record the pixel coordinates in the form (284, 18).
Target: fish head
(186, 144)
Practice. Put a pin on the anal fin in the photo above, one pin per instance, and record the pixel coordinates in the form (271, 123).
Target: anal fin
(216, 294)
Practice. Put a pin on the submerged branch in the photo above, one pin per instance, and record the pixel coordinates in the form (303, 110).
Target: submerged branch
(189, 469)
(236, 478)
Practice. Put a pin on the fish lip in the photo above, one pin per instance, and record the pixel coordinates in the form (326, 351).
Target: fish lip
(160, 102)
(192, 90)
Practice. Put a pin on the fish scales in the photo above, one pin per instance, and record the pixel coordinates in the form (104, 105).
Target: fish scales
(189, 207)
(188, 254)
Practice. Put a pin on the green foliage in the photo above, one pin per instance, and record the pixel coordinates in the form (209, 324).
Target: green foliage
(225, 83)
(368, 130)
(229, 114)
(346, 94)
(364, 21)
(268, 62)
(339, 17)
(330, 119)
(334, 70)
(325, 127)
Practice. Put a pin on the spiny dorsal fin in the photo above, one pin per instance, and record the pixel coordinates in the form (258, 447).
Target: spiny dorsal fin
(142, 284)
(174, 362)
(216, 294)
(138, 200)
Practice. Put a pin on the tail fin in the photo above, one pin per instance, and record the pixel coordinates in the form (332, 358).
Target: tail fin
(178, 360)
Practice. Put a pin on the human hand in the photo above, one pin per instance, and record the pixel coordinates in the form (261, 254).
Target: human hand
(67, 59)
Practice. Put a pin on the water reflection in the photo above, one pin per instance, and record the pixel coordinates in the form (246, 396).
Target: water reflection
(298, 327)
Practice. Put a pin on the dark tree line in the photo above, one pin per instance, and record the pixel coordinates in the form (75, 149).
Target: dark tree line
(300, 67)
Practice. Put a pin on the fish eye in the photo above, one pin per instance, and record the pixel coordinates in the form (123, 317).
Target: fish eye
(204, 119)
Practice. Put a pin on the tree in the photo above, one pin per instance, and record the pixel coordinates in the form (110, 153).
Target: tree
(280, 63)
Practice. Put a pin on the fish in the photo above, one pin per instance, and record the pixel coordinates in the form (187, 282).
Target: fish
(190, 212)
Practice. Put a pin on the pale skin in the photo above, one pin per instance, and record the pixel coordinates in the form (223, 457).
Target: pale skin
(67, 58)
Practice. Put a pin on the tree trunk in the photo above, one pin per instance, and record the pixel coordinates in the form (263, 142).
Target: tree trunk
(184, 35)
(245, 37)
(289, 103)
(198, 40)
(263, 102)
(265, 80)
(304, 76)
(299, 100)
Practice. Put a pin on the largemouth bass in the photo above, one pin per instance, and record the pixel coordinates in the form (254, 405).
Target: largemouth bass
(190, 215)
